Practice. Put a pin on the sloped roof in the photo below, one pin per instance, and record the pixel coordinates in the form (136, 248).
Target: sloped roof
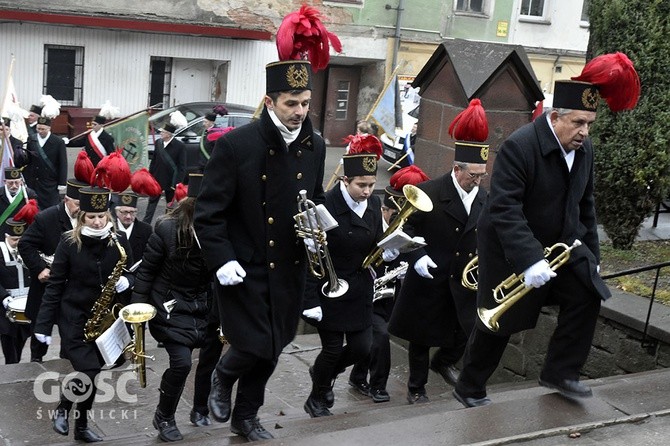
(476, 62)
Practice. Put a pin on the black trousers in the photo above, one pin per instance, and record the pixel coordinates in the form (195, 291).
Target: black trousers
(180, 364)
(153, 204)
(12, 344)
(378, 362)
(568, 350)
(251, 374)
(207, 359)
(336, 356)
(420, 361)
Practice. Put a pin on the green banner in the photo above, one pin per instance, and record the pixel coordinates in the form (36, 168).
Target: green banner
(130, 135)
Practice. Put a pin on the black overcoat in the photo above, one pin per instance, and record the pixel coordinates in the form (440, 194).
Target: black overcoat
(162, 170)
(40, 176)
(73, 288)
(4, 201)
(167, 273)
(534, 203)
(349, 243)
(107, 142)
(41, 237)
(245, 212)
(139, 237)
(430, 311)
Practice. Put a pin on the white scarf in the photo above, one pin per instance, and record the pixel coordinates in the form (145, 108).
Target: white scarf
(288, 135)
(41, 140)
(127, 230)
(358, 207)
(97, 233)
(466, 197)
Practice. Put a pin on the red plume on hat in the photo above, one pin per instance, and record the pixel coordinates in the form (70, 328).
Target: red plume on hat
(407, 175)
(143, 183)
(470, 124)
(364, 143)
(302, 35)
(112, 172)
(27, 212)
(180, 192)
(83, 167)
(617, 81)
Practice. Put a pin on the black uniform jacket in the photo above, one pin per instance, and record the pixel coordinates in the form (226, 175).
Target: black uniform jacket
(162, 170)
(534, 203)
(9, 279)
(166, 274)
(139, 237)
(349, 243)
(4, 201)
(429, 311)
(20, 152)
(40, 176)
(107, 142)
(41, 237)
(77, 278)
(245, 212)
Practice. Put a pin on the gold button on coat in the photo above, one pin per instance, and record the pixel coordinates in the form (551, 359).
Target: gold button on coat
(299, 176)
(272, 152)
(271, 220)
(272, 265)
(271, 243)
(264, 177)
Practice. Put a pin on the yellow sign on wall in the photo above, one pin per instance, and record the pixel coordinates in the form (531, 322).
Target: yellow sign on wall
(502, 28)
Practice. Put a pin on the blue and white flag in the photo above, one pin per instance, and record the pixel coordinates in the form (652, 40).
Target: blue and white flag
(387, 110)
(407, 149)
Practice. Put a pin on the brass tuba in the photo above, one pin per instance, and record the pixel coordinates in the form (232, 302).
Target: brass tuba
(515, 282)
(470, 275)
(136, 315)
(309, 226)
(415, 200)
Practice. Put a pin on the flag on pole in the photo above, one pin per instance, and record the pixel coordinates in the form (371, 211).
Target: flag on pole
(12, 109)
(407, 149)
(387, 111)
(131, 136)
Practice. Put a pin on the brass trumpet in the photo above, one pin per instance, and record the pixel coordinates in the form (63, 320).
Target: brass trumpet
(415, 200)
(136, 315)
(515, 282)
(309, 226)
(470, 275)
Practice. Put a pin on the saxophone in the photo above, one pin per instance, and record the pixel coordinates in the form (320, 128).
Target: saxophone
(102, 315)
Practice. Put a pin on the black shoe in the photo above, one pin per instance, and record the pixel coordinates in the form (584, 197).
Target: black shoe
(251, 429)
(362, 387)
(219, 399)
(199, 419)
(160, 345)
(39, 360)
(469, 401)
(316, 407)
(380, 395)
(417, 397)
(448, 372)
(329, 396)
(86, 435)
(167, 428)
(60, 422)
(569, 388)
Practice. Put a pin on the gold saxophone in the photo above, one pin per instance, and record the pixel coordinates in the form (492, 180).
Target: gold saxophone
(102, 314)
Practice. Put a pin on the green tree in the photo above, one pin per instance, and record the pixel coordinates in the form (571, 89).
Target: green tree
(632, 157)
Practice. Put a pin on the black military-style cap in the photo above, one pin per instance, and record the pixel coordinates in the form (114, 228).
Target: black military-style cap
(72, 188)
(288, 75)
(94, 199)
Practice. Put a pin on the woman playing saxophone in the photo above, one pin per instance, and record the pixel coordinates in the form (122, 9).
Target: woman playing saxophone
(83, 264)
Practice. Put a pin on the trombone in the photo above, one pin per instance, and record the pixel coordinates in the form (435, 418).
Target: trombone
(415, 200)
(309, 226)
(136, 315)
(489, 317)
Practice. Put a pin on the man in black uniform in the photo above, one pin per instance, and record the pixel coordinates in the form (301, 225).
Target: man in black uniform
(168, 167)
(244, 222)
(38, 244)
(46, 172)
(137, 232)
(13, 195)
(99, 143)
(542, 194)
(433, 308)
(33, 115)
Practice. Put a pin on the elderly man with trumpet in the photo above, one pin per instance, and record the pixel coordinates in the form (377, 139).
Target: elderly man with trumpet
(542, 197)
(433, 308)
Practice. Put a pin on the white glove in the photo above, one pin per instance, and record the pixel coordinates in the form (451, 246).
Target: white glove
(44, 339)
(421, 266)
(598, 269)
(122, 284)
(314, 313)
(62, 188)
(6, 301)
(310, 245)
(231, 273)
(389, 255)
(537, 274)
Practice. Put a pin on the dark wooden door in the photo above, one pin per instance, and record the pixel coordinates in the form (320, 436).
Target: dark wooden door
(341, 104)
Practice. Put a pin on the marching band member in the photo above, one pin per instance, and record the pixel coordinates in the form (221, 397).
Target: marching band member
(358, 214)
(14, 195)
(83, 265)
(433, 308)
(174, 279)
(98, 142)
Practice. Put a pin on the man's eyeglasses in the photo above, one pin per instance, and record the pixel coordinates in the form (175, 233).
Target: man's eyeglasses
(127, 212)
(478, 176)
